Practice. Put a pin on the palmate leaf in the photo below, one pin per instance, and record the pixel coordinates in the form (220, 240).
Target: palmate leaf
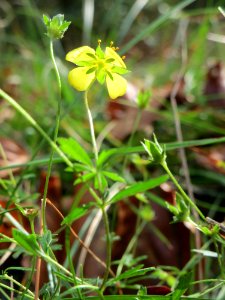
(138, 187)
(74, 150)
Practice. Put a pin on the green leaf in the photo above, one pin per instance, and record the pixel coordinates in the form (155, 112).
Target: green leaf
(74, 150)
(46, 20)
(134, 272)
(100, 178)
(182, 286)
(138, 187)
(113, 176)
(28, 242)
(76, 213)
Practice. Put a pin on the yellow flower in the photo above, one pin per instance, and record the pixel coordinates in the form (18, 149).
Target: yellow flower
(95, 64)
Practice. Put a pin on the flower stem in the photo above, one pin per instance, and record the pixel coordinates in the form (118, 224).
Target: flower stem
(185, 196)
(91, 125)
(55, 133)
(43, 204)
(104, 213)
(93, 139)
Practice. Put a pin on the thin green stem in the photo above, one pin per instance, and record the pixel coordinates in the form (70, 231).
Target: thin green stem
(30, 119)
(14, 290)
(67, 244)
(108, 248)
(220, 260)
(54, 136)
(11, 279)
(94, 144)
(185, 196)
(104, 213)
(30, 277)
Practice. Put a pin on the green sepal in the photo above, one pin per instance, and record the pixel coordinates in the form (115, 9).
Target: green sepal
(99, 52)
(156, 152)
(101, 76)
(56, 27)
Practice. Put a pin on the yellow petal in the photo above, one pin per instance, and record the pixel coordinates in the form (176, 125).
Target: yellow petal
(116, 87)
(80, 54)
(79, 78)
(110, 53)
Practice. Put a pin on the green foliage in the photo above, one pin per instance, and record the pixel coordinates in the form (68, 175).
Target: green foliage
(143, 99)
(76, 213)
(138, 187)
(184, 282)
(74, 150)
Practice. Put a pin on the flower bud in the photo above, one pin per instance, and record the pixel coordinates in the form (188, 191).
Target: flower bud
(56, 27)
(157, 154)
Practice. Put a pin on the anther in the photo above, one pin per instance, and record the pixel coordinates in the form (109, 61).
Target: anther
(123, 57)
(117, 48)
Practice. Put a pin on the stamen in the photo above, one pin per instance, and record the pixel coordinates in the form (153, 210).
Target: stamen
(117, 48)
(99, 42)
(111, 44)
(123, 57)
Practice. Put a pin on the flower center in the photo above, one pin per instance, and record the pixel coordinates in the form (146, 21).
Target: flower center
(101, 63)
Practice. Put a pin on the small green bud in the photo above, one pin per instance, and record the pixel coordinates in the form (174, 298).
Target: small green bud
(56, 27)
(183, 210)
(157, 154)
(143, 99)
